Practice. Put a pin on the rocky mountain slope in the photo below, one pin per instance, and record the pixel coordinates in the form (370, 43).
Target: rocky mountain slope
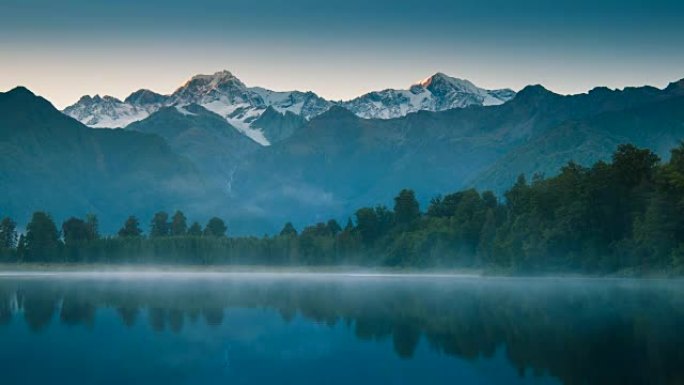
(339, 162)
(205, 138)
(227, 96)
(439, 92)
(189, 156)
(49, 161)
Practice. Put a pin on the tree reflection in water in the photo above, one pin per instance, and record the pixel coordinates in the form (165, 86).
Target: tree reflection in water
(580, 331)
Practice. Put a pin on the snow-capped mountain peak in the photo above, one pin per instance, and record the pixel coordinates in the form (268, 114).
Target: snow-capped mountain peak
(145, 97)
(435, 93)
(226, 95)
(441, 78)
(215, 79)
(440, 81)
(220, 83)
(96, 99)
(306, 104)
(105, 112)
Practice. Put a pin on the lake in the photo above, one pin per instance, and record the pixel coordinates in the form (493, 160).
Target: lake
(242, 328)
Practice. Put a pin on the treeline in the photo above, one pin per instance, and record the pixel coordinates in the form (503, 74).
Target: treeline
(624, 215)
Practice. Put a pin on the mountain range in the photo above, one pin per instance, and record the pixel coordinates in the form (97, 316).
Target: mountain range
(319, 164)
(203, 137)
(339, 162)
(242, 106)
(49, 161)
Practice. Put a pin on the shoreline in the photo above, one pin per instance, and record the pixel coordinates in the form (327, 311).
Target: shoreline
(34, 270)
(351, 270)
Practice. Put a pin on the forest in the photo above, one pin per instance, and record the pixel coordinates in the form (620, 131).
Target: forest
(622, 216)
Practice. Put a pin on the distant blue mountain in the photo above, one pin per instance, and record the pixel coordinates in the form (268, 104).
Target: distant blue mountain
(49, 161)
(189, 157)
(339, 162)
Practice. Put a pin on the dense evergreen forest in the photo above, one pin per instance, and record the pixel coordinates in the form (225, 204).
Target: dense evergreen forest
(622, 216)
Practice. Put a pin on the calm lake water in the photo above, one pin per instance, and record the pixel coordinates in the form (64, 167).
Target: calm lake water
(336, 329)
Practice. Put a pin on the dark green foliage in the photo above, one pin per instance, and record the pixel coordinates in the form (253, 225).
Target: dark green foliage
(406, 210)
(160, 227)
(21, 245)
(627, 215)
(179, 225)
(42, 238)
(333, 227)
(367, 224)
(215, 228)
(8, 233)
(78, 234)
(195, 230)
(8, 239)
(92, 226)
(444, 207)
(75, 231)
(131, 228)
(288, 230)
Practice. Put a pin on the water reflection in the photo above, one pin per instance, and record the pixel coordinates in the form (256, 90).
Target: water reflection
(578, 331)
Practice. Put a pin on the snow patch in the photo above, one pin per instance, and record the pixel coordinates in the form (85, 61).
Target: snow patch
(225, 95)
(253, 133)
(183, 111)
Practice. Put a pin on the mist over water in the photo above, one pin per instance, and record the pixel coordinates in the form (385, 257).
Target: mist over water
(261, 327)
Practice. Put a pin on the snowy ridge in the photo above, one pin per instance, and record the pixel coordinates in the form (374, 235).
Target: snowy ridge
(106, 112)
(438, 92)
(227, 96)
(306, 104)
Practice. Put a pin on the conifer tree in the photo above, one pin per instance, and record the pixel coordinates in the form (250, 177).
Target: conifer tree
(179, 224)
(160, 227)
(131, 228)
(215, 228)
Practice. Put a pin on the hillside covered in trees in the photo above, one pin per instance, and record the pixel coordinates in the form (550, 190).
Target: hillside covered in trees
(626, 215)
(325, 167)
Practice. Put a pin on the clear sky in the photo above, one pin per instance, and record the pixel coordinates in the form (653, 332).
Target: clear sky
(339, 49)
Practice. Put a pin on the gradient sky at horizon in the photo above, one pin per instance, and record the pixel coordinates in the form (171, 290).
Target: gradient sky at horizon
(339, 49)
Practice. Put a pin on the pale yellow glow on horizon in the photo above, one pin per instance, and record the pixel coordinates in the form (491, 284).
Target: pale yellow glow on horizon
(62, 74)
